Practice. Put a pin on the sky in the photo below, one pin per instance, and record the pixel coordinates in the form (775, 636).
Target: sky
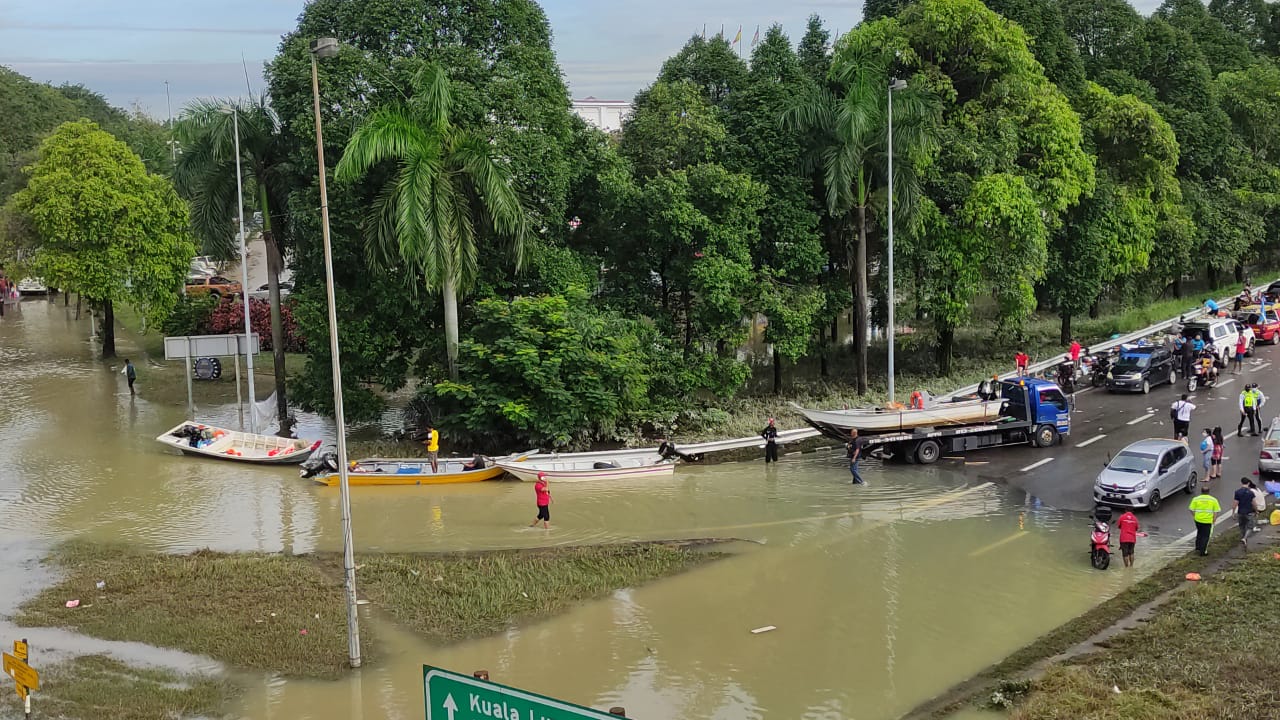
(128, 49)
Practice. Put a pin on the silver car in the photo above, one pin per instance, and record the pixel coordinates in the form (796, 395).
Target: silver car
(1269, 457)
(1145, 473)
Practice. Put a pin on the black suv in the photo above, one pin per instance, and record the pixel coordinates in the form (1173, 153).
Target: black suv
(1137, 369)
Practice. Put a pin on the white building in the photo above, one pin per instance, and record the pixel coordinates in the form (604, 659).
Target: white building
(604, 114)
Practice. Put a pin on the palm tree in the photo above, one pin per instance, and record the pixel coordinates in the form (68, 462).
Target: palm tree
(448, 187)
(847, 124)
(206, 176)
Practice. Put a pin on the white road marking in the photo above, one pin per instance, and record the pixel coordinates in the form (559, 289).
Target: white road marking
(1137, 420)
(1035, 465)
(1231, 434)
(1224, 383)
(1262, 366)
(1090, 441)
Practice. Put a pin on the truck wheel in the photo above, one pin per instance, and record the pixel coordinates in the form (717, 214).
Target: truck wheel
(1046, 436)
(928, 452)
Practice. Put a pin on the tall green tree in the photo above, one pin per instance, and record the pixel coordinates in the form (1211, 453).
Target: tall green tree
(1010, 162)
(1112, 233)
(510, 88)
(105, 228)
(206, 176)
(849, 130)
(790, 256)
(710, 64)
(448, 195)
(814, 50)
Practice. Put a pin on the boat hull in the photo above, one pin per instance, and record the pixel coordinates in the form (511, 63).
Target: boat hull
(944, 415)
(370, 479)
(235, 446)
(528, 472)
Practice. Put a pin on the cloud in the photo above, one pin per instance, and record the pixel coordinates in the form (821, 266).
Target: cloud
(64, 27)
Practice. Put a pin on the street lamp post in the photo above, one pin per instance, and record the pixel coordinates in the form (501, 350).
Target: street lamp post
(244, 276)
(326, 48)
(894, 84)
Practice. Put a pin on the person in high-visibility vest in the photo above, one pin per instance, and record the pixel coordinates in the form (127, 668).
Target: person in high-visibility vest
(1251, 400)
(432, 442)
(1203, 507)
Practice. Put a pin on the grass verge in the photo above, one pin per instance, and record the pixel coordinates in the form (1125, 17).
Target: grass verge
(93, 687)
(246, 610)
(1007, 674)
(1209, 654)
(448, 598)
(251, 610)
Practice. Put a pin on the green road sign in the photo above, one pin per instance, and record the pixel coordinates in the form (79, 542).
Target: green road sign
(451, 696)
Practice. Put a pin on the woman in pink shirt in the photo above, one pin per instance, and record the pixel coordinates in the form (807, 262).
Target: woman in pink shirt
(543, 496)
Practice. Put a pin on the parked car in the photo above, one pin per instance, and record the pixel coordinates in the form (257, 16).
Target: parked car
(1265, 329)
(216, 286)
(1222, 332)
(1145, 473)
(1139, 368)
(264, 291)
(1269, 457)
(32, 286)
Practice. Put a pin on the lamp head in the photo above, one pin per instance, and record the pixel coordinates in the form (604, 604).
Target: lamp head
(325, 47)
(897, 84)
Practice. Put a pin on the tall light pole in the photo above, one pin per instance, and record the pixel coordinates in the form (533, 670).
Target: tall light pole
(173, 143)
(244, 275)
(894, 84)
(326, 48)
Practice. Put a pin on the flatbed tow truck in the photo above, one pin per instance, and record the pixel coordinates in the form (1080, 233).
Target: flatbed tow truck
(1035, 412)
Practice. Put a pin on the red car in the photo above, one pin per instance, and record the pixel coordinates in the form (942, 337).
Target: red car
(1265, 330)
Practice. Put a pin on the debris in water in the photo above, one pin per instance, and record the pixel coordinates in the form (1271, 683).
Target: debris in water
(1193, 577)
(101, 585)
(525, 594)
(73, 603)
(1115, 689)
(317, 616)
(764, 629)
(303, 631)
(437, 578)
(414, 573)
(273, 614)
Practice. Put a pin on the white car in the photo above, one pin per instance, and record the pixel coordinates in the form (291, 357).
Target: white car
(1222, 332)
(32, 286)
(264, 292)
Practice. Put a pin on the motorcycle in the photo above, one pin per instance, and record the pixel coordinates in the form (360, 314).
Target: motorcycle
(1099, 366)
(1202, 375)
(1066, 376)
(1100, 538)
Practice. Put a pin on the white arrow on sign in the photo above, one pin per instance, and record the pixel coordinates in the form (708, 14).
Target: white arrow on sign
(450, 705)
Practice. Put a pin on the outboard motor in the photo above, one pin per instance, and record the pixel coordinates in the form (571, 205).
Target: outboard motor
(319, 463)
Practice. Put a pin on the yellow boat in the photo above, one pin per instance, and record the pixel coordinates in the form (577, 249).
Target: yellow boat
(414, 471)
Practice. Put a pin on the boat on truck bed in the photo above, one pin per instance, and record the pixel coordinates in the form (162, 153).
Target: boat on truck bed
(1031, 411)
(947, 413)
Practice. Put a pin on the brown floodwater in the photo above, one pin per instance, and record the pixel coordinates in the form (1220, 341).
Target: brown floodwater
(882, 595)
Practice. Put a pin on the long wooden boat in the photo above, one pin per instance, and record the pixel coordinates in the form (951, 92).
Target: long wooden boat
(692, 452)
(193, 438)
(570, 469)
(945, 414)
(413, 471)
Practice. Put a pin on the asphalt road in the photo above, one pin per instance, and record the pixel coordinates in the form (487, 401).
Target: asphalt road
(1103, 424)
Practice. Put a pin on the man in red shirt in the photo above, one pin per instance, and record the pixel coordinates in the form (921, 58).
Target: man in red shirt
(543, 496)
(1022, 359)
(1128, 524)
(1074, 351)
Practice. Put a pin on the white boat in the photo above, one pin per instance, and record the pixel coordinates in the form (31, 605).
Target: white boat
(943, 414)
(199, 439)
(693, 452)
(568, 468)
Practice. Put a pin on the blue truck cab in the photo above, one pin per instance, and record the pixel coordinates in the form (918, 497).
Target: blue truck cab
(1038, 402)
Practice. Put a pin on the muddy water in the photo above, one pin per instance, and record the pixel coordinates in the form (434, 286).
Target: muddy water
(882, 595)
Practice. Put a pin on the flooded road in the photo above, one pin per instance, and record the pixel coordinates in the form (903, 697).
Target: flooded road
(883, 595)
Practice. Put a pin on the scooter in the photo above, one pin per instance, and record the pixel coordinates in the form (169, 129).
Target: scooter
(1202, 376)
(1099, 366)
(1066, 376)
(1100, 538)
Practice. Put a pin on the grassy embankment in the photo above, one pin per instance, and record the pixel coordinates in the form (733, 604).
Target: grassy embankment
(1007, 677)
(1208, 654)
(250, 611)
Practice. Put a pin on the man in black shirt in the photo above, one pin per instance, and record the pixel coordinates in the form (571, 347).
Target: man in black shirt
(770, 435)
(854, 449)
(1243, 505)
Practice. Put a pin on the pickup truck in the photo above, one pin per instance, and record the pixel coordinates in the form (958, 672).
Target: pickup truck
(216, 286)
(1266, 329)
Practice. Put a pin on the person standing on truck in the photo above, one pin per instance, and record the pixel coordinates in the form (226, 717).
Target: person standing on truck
(854, 449)
(1180, 412)
(1022, 360)
(770, 435)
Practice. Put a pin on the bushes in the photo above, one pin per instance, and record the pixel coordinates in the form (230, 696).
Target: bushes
(207, 315)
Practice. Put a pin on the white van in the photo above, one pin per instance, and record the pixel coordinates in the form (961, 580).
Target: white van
(1222, 332)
